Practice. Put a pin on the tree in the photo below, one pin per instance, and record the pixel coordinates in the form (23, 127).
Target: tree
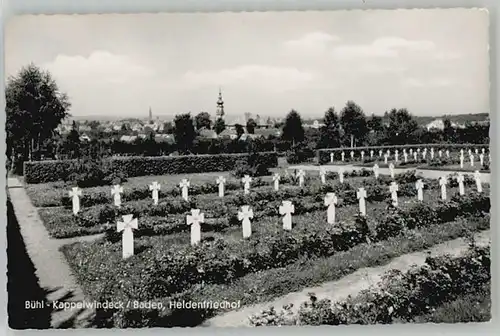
(330, 133)
(448, 130)
(353, 121)
(401, 127)
(219, 126)
(34, 109)
(251, 124)
(72, 142)
(184, 132)
(239, 130)
(293, 130)
(168, 128)
(202, 119)
(375, 123)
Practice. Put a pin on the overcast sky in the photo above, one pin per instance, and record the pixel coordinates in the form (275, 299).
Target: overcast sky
(432, 62)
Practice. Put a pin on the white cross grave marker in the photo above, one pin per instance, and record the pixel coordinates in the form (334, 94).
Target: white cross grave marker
(469, 151)
(128, 235)
(391, 169)
(322, 175)
(301, 174)
(405, 155)
(461, 159)
(287, 209)
(415, 156)
(362, 155)
(483, 150)
(375, 170)
(246, 184)
(184, 185)
(380, 153)
(411, 151)
(352, 155)
(460, 180)
(476, 151)
(361, 194)
(424, 153)
(420, 186)
(432, 153)
(330, 201)
(276, 180)
(477, 177)
(396, 155)
(472, 160)
(385, 158)
(448, 153)
(371, 154)
(194, 220)
(221, 181)
(442, 182)
(341, 175)
(440, 153)
(343, 155)
(331, 157)
(394, 193)
(115, 192)
(154, 188)
(481, 159)
(244, 216)
(75, 194)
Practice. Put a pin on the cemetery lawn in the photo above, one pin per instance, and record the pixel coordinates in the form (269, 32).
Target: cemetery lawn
(256, 287)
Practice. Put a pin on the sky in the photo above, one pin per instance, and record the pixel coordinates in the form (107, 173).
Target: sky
(432, 61)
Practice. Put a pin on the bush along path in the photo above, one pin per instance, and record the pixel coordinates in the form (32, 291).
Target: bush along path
(400, 294)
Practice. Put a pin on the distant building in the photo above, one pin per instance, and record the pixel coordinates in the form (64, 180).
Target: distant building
(435, 124)
(267, 132)
(128, 138)
(207, 134)
(84, 138)
(228, 133)
(219, 113)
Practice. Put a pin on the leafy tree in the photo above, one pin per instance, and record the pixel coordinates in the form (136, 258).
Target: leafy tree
(401, 127)
(353, 121)
(251, 124)
(448, 130)
(168, 128)
(219, 126)
(72, 142)
(330, 132)
(375, 123)
(293, 130)
(239, 130)
(94, 124)
(34, 109)
(203, 119)
(184, 132)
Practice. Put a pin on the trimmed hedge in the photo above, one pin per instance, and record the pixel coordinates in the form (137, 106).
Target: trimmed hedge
(324, 154)
(55, 170)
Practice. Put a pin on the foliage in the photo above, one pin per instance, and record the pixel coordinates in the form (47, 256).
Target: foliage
(330, 133)
(203, 120)
(239, 130)
(251, 124)
(219, 126)
(34, 108)
(353, 121)
(293, 130)
(401, 126)
(47, 171)
(184, 132)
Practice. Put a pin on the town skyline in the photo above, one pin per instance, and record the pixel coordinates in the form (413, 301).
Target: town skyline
(265, 63)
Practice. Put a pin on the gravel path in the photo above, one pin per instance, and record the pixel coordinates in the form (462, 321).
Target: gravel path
(52, 270)
(348, 285)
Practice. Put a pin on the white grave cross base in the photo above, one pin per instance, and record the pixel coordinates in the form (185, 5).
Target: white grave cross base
(391, 169)
(286, 210)
(221, 181)
(420, 186)
(361, 194)
(301, 174)
(244, 216)
(322, 175)
(116, 191)
(375, 170)
(477, 177)
(394, 193)
(330, 201)
(128, 235)
(184, 185)
(276, 180)
(246, 184)
(75, 194)
(194, 220)
(460, 180)
(443, 181)
(154, 188)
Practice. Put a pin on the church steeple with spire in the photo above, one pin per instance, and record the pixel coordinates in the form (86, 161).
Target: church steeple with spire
(220, 106)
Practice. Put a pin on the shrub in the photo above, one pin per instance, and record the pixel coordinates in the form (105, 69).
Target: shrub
(49, 171)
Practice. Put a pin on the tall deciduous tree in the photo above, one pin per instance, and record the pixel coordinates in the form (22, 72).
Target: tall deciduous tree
(330, 132)
(251, 124)
(34, 108)
(353, 121)
(202, 119)
(401, 127)
(293, 129)
(219, 126)
(239, 130)
(184, 132)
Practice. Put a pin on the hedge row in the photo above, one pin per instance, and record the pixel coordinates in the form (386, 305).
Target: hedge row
(324, 154)
(399, 297)
(55, 170)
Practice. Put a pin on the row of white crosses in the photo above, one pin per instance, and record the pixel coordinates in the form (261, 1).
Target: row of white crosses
(471, 157)
(286, 210)
(415, 155)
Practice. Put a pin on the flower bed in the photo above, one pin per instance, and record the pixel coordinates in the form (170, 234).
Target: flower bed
(398, 297)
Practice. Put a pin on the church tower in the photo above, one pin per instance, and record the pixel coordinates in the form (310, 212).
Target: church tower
(220, 107)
